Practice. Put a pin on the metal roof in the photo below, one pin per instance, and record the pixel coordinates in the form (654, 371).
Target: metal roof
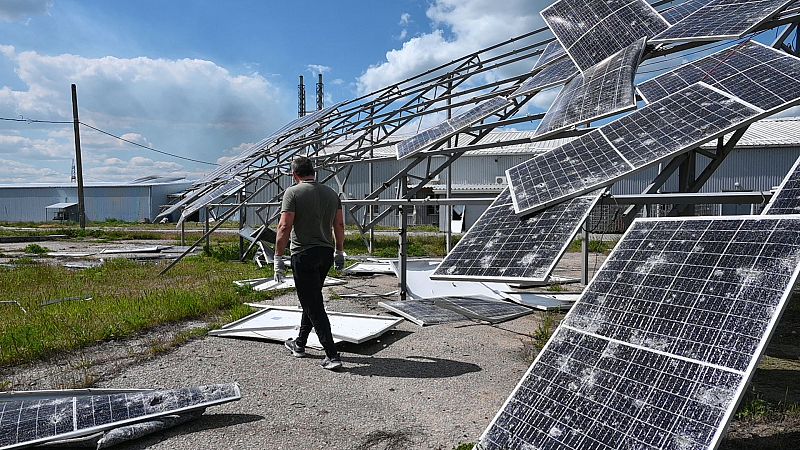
(89, 185)
(62, 205)
(780, 132)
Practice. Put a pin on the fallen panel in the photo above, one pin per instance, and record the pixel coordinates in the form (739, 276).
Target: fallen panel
(721, 19)
(600, 91)
(71, 254)
(349, 327)
(486, 309)
(369, 268)
(423, 312)
(786, 199)
(543, 302)
(659, 131)
(153, 249)
(29, 421)
(270, 284)
(449, 127)
(659, 349)
(755, 73)
(592, 30)
(501, 246)
(419, 283)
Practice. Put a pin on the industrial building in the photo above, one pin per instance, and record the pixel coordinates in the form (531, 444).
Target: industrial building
(135, 201)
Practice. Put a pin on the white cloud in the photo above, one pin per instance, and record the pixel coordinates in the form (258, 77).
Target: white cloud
(15, 10)
(188, 107)
(318, 68)
(405, 19)
(12, 171)
(403, 34)
(460, 27)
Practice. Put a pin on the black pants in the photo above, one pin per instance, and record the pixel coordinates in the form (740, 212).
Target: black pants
(310, 268)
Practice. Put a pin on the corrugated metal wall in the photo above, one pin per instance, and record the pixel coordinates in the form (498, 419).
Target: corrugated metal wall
(128, 203)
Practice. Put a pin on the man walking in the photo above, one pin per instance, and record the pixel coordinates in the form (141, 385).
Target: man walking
(312, 218)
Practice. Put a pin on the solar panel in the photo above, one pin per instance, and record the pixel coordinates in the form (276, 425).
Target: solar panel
(501, 246)
(660, 346)
(551, 52)
(759, 75)
(485, 309)
(551, 75)
(786, 199)
(25, 422)
(449, 127)
(721, 19)
(656, 132)
(678, 12)
(592, 30)
(210, 196)
(423, 312)
(603, 90)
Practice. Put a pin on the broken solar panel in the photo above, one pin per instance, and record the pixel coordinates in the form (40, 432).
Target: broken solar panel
(215, 193)
(661, 130)
(721, 19)
(603, 90)
(759, 75)
(786, 199)
(559, 72)
(659, 348)
(501, 246)
(551, 52)
(592, 30)
(449, 127)
(25, 422)
(485, 309)
(678, 12)
(423, 312)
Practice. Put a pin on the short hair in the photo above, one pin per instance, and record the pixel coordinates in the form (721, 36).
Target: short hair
(302, 167)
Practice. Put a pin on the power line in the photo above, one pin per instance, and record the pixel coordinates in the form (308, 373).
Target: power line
(146, 147)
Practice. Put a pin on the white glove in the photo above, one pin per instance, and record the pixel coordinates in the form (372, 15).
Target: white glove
(338, 260)
(279, 269)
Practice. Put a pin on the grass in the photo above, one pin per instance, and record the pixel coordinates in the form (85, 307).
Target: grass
(755, 409)
(387, 246)
(127, 298)
(36, 249)
(595, 246)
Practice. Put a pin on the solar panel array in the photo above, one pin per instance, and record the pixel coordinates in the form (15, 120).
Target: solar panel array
(722, 19)
(592, 30)
(210, 196)
(488, 310)
(501, 246)
(423, 312)
(659, 348)
(551, 52)
(26, 422)
(449, 127)
(658, 131)
(786, 199)
(678, 12)
(551, 75)
(604, 89)
(760, 75)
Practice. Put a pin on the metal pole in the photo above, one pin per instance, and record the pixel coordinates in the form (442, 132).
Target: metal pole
(205, 230)
(242, 213)
(403, 243)
(78, 164)
(449, 186)
(183, 233)
(370, 208)
(585, 254)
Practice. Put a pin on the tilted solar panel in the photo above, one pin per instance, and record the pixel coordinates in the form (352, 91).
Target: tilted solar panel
(759, 75)
(209, 197)
(501, 246)
(602, 90)
(559, 72)
(27, 422)
(551, 52)
(678, 12)
(721, 19)
(659, 348)
(786, 199)
(656, 132)
(592, 30)
(449, 127)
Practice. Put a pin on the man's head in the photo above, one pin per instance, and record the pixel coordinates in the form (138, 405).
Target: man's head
(302, 167)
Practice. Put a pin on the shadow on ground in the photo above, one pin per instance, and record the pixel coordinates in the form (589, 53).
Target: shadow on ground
(408, 367)
(204, 422)
(780, 441)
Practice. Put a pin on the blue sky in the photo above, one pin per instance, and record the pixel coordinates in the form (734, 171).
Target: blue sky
(204, 79)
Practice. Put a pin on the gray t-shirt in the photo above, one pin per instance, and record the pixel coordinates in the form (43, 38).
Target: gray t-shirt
(314, 206)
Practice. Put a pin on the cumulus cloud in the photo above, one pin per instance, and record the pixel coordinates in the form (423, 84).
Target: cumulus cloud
(189, 107)
(12, 171)
(16, 10)
(317, 68)
(459, 28)
(405, 19)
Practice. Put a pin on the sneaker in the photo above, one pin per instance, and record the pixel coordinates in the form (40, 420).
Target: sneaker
(297, 351)
(334, 363)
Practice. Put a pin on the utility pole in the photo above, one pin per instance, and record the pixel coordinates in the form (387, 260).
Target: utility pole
(78, 164)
